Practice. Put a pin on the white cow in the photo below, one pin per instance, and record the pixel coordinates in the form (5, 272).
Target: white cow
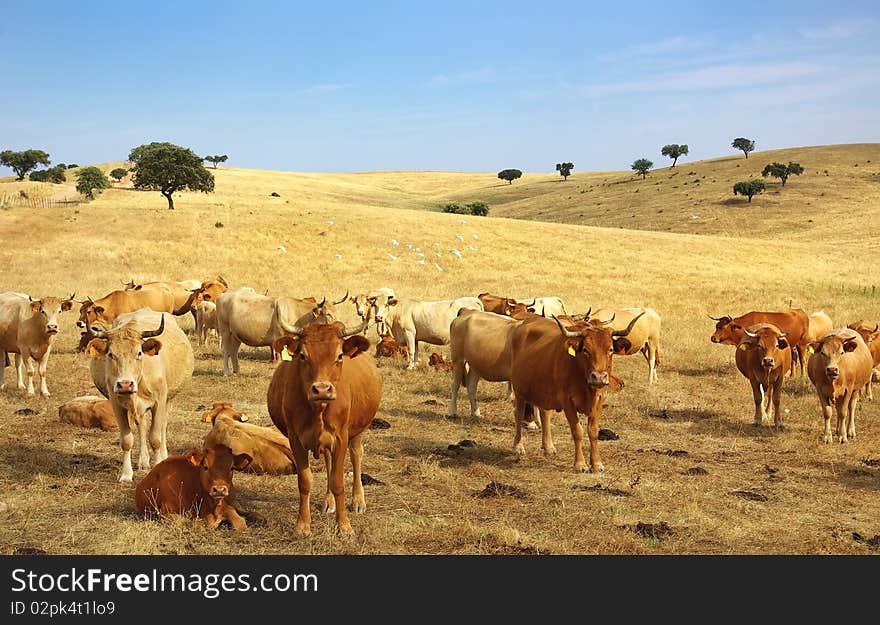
(550, 305)
(412, 321)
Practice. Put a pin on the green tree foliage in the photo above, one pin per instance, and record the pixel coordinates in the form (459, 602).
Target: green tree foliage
(642, 166)
(744, 145)
(23, 162)
(478, 208)
(674, 151)
(509, 175)
(167, 168)
(91, 180)
(72, 166)
(118, 174)
(564, 170)
(481, 209)
(55, 175)
(217, 158)
(778, 170)
(749, 188)
(456, 209)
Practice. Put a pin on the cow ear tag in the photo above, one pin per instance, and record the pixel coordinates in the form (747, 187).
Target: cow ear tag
(743, 347)
(571, 351)
(810, 350)
(285, 355)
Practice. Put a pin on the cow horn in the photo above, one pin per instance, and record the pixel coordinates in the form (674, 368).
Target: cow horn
(587, 315)
(148, 334)
(321, 304)
(97, 332)
(876, 327)
(347, 331)
(715, 318)
(533, 302)
(606, 323)
(72, 295)
(222, 281)
(344, 297)
(751, 334)
(567, 333)
(542, 311)
(629, 327)
(289, 328)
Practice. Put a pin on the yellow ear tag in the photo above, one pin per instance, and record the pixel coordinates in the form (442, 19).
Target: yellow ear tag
(571, 351)
(285, 355)
(810, 350)
(194, 461)
(743, 347)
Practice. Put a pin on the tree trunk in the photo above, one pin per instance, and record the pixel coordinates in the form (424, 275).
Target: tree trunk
(674, 161)
(746, 153)
(750, 199)
(170, 201)
(510, 182)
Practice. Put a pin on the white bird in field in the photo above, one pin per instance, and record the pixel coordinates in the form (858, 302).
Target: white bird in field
(409, 246)
(476, 236)
(472, 248)
(438, 254)
(281, 248)
(462, 221)
(395, 242)
(456, 252)
(421, 262)
(330, 222)
(392, 256)
(439, 268)
(339, 256)
(422, 254)
(459, 237)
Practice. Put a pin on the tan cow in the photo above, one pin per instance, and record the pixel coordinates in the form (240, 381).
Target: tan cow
(763, 356)
(184, 292)
(363, 302)
(820, 324)
(839, 367)
(644, 337)
(206, 321)
(102, 313)
(870, 333)
(140, 363)
(244, 316)
(90, 411)
(268, 447)
(27, 329)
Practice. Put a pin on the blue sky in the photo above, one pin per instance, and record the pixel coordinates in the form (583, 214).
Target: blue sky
(463, 86)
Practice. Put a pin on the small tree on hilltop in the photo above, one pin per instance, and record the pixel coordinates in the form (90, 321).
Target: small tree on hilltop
(749, 188)
(217, 158)
(118, 174)
(54, 175)
(778, 170)
(167, 168)
(91, 180)
(744, 145)
(674, 151)
(23, 162)
(509, 175)
(564, 170)
(478, 208)
(642, 166)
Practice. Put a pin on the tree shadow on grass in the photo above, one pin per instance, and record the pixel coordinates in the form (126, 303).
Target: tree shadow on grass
(23, 462)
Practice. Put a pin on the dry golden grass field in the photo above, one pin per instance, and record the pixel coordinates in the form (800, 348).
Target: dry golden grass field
(687, 455)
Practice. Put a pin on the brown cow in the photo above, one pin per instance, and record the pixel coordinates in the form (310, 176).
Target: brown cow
(870, 333)
(27, 329)
(197, 484)
(323, 395)
(103, 312)
(839, 367)
(90, 411)
(439, 363)
(555, 368)
(505, 305)
(763, 357)
(388, 347)
(794, 322)
(268, 447)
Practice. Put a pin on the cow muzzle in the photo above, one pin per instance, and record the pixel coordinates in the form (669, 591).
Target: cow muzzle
(768, 363)
(714, 339)
(598, 379)
(832, 372)
(52, 329)
(125, 387)
(81, 324)
(219, 491)
(322, 391)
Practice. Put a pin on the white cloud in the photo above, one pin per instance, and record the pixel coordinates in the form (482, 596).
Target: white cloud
(846, 29)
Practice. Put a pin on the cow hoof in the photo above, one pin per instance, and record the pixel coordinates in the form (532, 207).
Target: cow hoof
(530, 425)
(303, 529)
(330, 504)
(599, 468)
(126, 478)
(360, 507)
(842, 441)
(345, 530)
(476, 414)
(519, 450)
(550, 451)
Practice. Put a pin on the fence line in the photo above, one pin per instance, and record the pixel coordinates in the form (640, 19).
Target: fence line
(16, 200)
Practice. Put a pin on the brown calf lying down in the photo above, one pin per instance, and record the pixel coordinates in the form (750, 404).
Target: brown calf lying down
(89, 411)
(198, 484)
(438, 362)
(388, 347)
(269, 448)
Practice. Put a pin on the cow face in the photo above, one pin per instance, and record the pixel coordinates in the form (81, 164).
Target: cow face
(382, 304)
(829, 351)
(592, 351)
(727, 331)
(91, 313)
(766, 342)
(123, 351)
(209, 292)
(387, 346)
(215, 466)
(318, 353)
(869, 332)
(223, 408)
(48, 310)
(361, 304)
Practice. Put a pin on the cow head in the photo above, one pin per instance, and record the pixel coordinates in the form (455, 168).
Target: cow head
(318, 352)
(438, 362)
(512, 308)
(592, 345)
(766, 341)
(91, 313)
(48, 310)
(223, 408)
(123, 350)
(131, 285)
(387, 346)
(727, 330)
(382, 304)
(827, 352)
(210, 290)
(868, 331)
(215, 466)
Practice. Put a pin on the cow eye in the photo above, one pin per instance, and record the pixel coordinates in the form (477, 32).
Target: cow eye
(140, 353)
(302, 356)
(111, 355)
(339, 358)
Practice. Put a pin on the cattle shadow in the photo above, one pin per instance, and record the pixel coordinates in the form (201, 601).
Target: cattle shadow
(739, 427)
(702, 372)
(683, 414)
(23, 462)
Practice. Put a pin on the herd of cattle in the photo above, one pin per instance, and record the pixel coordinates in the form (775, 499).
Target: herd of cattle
(323, 394)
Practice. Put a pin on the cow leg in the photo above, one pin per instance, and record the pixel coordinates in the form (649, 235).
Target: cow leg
(869, 392)
(358, 501)
(144, 435)
(651, 357)
(577, 435)
(26, 362)
(853, 404)
(518, 416)
(827, 410)
(457, 374)
(337, 484)
(842, 406)
(758, 395)
(44, 362)
(329, 500)
(304, 485)
(126, 440)
(777, 396)
(3, 370)
(412, 345)
(546, 434)
(472, 380)
(235, 519)
(157, 431)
